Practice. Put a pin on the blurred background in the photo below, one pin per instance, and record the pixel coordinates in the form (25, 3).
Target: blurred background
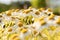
(24, 4)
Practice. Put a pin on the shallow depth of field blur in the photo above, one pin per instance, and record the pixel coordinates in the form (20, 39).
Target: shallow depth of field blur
(24, 4)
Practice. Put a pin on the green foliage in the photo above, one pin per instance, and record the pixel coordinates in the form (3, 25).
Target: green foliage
(4, 7)
(57, 11)
(38, 3)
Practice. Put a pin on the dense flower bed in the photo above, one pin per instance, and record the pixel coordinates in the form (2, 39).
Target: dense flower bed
(29, 24)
